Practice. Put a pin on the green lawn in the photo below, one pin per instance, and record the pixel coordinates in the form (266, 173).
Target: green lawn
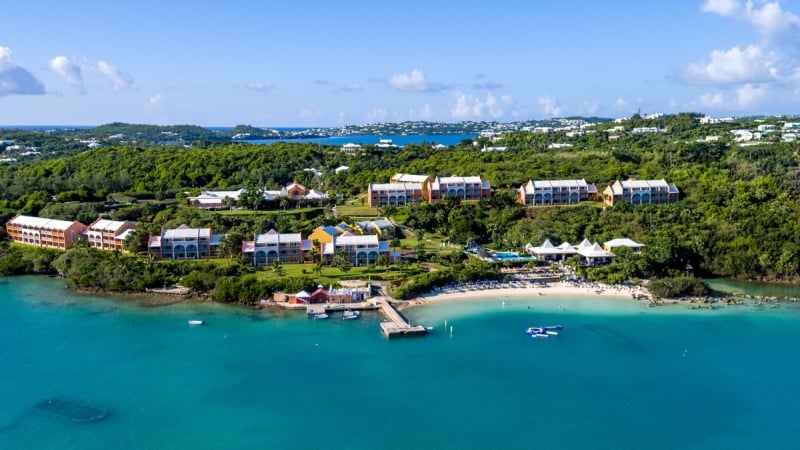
(332, 275)
(358, 211)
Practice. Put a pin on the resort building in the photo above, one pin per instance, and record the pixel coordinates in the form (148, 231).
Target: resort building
(360, 250)
(321, 295)
(295, 191)
(394, 194)
(463, 188)
(351, 149)
(591, 254)
(609, 246)
(288, 248)
(556, 192)
(382, 227)
(326, 234)
(409, 178)
(641, 192)
(109, 234)
(43, 232)
(184, 243)
(216, 199)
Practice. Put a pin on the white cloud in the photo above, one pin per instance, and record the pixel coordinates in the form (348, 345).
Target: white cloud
(309, 113)
(414, 82)
(258, 86)
(749, 95)
(120, 80)
(722, 7)
(589, 108)
(487, 85)
(712, 101)
(426, 112)
(470, 106)
(737, 65)
(770, 19)
(352, 87)
(746, 96)
(377, 115)
(550, 106)
(154, 101)
(69, 70)
(16, 79)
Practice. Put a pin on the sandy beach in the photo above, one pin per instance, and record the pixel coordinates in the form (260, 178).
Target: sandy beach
(552, 289)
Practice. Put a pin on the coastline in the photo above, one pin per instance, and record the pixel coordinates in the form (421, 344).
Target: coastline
(528, 292)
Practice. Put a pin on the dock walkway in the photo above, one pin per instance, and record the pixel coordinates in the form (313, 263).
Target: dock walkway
(397, 325)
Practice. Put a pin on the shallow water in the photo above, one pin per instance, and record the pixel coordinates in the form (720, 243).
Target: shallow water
(620, 375)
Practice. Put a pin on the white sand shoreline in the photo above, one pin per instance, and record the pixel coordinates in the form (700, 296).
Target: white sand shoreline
(558, 289)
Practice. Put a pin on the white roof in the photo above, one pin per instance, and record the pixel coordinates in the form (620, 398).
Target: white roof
(622, 242)
(594, 251)
(367, 239)
(351, 145)
(187, 233)
(458, 180)
(42, 222)
(106, 225)
(408, 178)
(122, 236)
(274, 238)
(219, 195)
(643, 184)
(548, 184)
(314, 194)
(396, 187)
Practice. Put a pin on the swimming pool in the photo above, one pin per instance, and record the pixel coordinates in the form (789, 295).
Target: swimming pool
(510, 256)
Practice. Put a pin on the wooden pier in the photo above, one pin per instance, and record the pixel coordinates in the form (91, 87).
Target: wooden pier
(397, 325)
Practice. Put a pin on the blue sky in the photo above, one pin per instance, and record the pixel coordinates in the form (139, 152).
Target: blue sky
(285, 63)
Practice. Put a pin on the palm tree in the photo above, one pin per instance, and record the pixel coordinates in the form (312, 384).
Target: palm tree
(277, 268)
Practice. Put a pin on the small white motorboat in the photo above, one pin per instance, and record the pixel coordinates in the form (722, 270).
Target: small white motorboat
(350, 315)
(319, 316)
(196, 322)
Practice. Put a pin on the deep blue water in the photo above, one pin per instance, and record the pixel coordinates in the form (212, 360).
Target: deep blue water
(620, 375)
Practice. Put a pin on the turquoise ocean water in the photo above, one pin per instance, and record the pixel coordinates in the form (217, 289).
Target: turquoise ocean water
(620, 376)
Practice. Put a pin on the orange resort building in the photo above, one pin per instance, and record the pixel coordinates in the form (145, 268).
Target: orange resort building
(360, 250)
(394, 194)
(464, 188)
(288, 248)
(184, 243)
(43, 232)
(109, 234)
(556, 192)
(641, 192)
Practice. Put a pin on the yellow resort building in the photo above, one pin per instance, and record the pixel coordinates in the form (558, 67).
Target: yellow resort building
(43, 232)
(106, 234)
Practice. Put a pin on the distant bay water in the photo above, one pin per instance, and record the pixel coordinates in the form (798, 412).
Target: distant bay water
(363, 139)
(620, 375)
(397, 139)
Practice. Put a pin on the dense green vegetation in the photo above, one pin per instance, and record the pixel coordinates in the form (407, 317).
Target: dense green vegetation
(736, 218)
